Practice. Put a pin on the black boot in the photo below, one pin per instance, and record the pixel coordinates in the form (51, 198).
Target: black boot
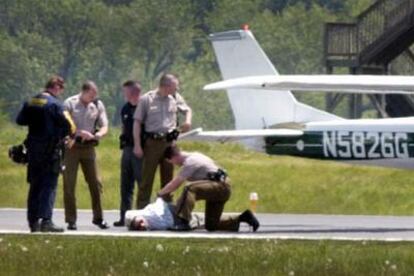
(34, 226)
(119, 223)
(72, 226)
(248, 217)
(48, 226)
(101, 223)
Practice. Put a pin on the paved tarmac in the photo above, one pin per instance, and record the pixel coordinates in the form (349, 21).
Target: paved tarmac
(273, 226)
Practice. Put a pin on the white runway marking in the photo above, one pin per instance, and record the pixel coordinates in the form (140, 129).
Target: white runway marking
(273, 226)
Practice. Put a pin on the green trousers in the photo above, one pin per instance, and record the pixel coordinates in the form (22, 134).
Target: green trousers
(215, 194)
(153, 156)
(86, 157)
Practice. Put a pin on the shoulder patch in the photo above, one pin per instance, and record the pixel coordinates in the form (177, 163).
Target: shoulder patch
(37, 102)
(70, 122)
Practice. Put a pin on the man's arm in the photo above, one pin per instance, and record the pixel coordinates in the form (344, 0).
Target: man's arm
(139, 118)
(102, 132)
(137, 139)
(184, 109)
(87, 136)
(102, 120)
(171, 186)
(188, 119)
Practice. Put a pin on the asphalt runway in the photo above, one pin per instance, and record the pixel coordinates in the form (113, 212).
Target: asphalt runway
(273, 226)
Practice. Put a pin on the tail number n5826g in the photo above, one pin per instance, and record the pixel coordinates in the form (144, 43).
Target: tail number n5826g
(365, 145)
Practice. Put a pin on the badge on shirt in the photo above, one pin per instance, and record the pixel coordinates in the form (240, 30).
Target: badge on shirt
(153, 108)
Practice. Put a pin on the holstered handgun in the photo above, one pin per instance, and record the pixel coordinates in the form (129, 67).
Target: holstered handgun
(220, 175)
(172, 135)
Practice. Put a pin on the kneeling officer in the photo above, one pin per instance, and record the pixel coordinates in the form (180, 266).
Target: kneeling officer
(48, 126)
(206, 181)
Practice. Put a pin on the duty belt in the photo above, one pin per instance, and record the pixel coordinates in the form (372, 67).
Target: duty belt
(80, 142)
(170, 136)
(220, 175)
(156, 135)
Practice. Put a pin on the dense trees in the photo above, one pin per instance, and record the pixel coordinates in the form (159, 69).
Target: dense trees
(110, 41)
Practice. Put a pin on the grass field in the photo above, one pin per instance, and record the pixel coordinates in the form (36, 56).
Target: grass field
(284, 184)
(52, 255)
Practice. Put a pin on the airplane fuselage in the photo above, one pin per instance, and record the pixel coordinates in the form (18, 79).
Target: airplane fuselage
(381, 140)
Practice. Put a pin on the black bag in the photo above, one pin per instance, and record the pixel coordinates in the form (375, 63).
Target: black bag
(18, 154)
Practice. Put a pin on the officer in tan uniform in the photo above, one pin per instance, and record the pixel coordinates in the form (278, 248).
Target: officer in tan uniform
(156, 116)
(206, 181)
(91, 121)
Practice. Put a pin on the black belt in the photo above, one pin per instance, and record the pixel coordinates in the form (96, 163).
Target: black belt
(156, 135)
(86, 143)
(169, 136)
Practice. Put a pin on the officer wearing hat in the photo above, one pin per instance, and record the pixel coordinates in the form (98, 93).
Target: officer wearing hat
(157, 113)
(206, 181)
(48, 126)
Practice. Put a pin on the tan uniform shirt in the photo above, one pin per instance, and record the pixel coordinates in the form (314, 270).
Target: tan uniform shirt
(181, 104)
(196, 166)
(86, 116)
(159, 113)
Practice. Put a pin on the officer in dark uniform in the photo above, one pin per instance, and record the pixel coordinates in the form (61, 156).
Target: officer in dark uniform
(48, 126)
(130, 164)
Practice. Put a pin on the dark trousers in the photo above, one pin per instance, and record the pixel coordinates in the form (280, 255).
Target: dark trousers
(216, 195)
(153, 156)
(42, 193)
(130, 173)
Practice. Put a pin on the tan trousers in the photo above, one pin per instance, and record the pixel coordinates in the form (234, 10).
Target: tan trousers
(86, 157)
(153, 156)
(215, 194)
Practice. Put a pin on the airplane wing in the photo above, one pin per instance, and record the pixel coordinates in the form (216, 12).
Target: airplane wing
(234, 135)
(367, 84)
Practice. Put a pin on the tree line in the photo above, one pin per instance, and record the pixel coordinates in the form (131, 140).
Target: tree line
(110, 41)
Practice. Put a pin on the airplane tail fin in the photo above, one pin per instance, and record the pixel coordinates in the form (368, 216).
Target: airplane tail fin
(239, 55)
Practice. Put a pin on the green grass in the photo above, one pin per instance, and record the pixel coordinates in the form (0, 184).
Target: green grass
(284, 184)
(53, 255)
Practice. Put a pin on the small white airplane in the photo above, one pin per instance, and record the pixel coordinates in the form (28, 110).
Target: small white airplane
(269, 118)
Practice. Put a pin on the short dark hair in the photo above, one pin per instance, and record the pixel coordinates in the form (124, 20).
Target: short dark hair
(133, 85)
(171, 151)
(88, 85)
(167, 79)
(55, 80)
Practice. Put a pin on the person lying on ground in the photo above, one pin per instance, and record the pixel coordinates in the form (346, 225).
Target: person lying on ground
(158, 215)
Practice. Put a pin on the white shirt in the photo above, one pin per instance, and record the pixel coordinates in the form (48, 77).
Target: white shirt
(158, 215)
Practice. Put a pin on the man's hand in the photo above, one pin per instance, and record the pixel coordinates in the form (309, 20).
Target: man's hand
(172, 186)
(97, 136)
(68, 142)
(185, 127)
(138, 151)
(86, 135)
(165, 197)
